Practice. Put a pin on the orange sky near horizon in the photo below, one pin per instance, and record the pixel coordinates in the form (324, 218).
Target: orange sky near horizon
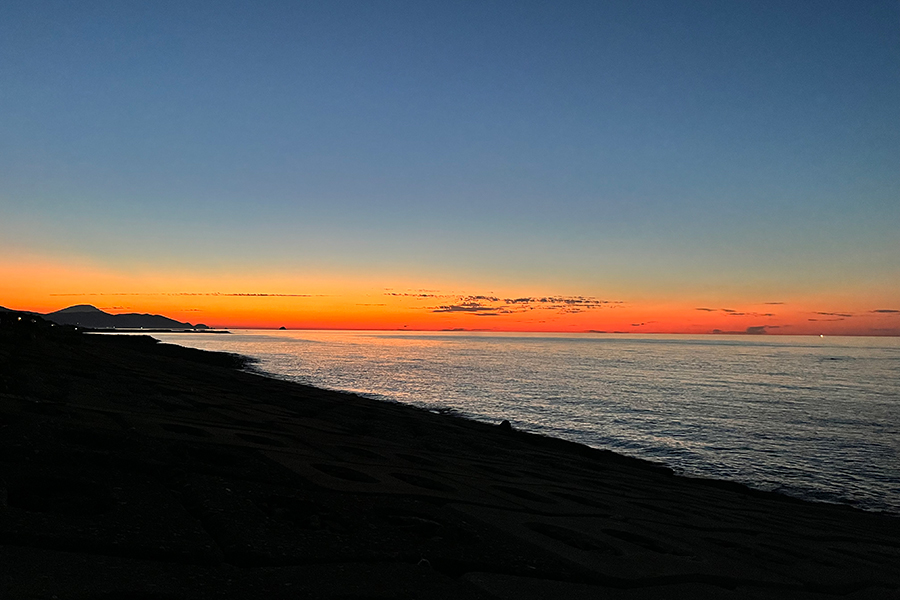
(271, 301)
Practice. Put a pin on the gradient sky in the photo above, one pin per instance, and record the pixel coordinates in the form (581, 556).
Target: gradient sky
(615, 166)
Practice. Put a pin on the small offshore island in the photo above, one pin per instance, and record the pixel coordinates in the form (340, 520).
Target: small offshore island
(135, 469)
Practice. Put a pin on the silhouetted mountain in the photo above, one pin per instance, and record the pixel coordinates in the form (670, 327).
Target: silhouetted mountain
(85, 315)
(79, 308)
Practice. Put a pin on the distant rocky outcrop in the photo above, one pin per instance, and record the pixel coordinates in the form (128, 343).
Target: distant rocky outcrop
(91, 317)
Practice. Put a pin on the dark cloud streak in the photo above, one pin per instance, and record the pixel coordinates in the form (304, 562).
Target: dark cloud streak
(220, 294)
(494, 306)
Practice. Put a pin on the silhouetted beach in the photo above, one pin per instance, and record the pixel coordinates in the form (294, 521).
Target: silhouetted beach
(134, 469)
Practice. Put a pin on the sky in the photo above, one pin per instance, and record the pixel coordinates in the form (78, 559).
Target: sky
(675, 167)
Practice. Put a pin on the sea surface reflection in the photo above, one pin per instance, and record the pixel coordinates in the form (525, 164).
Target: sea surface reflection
(816, 417)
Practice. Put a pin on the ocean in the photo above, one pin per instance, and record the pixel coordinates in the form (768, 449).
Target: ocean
(811, 417)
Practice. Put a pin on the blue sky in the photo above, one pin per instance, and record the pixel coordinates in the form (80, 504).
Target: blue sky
(631, 146)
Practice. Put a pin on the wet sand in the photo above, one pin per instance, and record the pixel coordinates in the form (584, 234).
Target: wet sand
(132, 469)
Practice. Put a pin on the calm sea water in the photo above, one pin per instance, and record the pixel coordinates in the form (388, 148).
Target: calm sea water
(817, 418)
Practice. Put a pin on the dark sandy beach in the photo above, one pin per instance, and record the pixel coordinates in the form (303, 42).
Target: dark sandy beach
(133, 469)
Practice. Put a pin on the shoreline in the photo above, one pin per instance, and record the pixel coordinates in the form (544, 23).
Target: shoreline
(781, 493)
(658, 465)
(166, 470)
(789, 469)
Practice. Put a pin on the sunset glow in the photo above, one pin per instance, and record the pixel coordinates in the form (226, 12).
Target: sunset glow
(232, 302)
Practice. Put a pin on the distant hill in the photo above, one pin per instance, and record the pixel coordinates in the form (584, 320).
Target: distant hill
(85, 315)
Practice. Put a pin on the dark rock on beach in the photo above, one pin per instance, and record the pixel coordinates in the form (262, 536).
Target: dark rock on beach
(135, 469)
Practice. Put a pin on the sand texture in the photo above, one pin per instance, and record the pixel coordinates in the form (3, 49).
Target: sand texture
(131, 469)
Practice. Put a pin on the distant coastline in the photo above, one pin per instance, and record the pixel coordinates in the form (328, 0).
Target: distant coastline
(90, 318)
(143, 330)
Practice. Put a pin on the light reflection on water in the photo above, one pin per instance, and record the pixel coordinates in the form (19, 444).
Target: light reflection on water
(815, 417)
